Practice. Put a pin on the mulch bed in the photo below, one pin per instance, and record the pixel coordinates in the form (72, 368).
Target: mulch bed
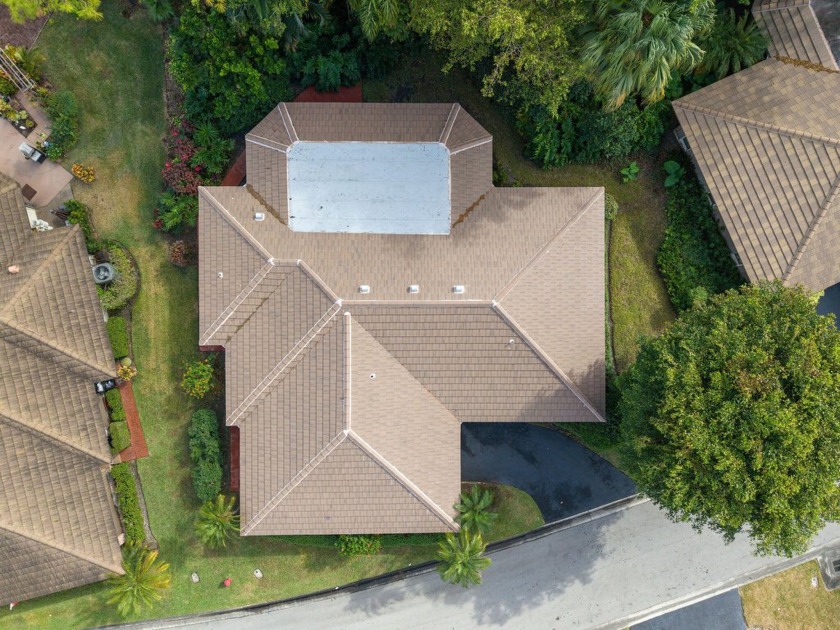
(19, 34)
(138, 448)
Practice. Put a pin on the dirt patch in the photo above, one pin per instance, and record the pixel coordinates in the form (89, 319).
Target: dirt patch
(24, 34)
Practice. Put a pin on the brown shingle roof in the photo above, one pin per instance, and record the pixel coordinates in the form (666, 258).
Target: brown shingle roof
(794, 31)
(767, 141)
(58, 524)
(349, 404)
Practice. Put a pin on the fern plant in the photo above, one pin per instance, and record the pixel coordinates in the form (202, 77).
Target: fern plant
(143, 582)
(217, 522)
(462, 558)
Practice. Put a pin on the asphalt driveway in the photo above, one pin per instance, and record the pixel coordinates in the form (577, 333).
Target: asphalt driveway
(563, 477)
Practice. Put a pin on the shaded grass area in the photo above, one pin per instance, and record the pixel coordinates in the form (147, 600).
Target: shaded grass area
(115, 69)
(787, 600)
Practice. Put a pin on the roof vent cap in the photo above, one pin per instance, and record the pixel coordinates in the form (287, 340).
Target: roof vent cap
(364, 288)
(414, 288)
(459, 288)
(373, 376)
(14, 269)
(259, 216)
(221, 274)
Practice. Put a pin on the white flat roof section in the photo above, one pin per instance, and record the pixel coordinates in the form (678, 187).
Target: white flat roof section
(369, 187)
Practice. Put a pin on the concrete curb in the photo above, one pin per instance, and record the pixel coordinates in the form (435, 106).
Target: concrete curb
(387, 578)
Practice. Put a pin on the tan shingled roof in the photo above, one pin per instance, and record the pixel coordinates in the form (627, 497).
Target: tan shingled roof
(349, 405)
(794, 31)
(58, 524)
(767, 141)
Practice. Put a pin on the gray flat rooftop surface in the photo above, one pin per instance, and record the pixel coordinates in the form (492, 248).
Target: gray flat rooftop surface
(369, 187)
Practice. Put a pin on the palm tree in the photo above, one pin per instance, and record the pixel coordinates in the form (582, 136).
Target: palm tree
(732, 45)
(142, 583)
(474, 510)
(640, 43)
(217, 522)
(375, 15)
(461, 558)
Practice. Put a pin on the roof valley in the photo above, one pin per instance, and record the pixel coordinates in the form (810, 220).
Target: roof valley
(829, 200)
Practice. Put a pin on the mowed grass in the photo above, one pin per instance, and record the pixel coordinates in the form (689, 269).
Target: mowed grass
(786, 601)
(640, 305)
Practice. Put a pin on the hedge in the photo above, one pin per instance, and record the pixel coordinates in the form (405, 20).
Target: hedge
(693, 258)
(79, 214)
(206, 454)
(129, 504)
(118, 334)
(117, 294)
(120, 436)
(114, 400)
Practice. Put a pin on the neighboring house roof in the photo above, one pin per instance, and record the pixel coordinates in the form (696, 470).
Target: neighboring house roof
(349, 403)
(795, 31)
(767, 141)
(58, 523)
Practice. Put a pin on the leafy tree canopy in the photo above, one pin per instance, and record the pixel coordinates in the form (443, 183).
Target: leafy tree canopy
(730, 418)
(531, 40)
(29, 9)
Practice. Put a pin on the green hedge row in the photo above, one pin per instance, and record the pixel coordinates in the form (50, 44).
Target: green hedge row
(114, 400)
(129, 504)
(118, 334)
(120, 436)
(693, 258)
(206, 454)
(79, 214)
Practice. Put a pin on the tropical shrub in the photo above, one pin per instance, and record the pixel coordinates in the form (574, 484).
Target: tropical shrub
(83, 173)
(128, 504)
(64, 115)
(198, 378)
(120, 436)
(79, 214)
(693, 258)
(462, 558)
(212, 151)
(610, 207)
(474, 512)
(175, 212)
(142, 583)
(126, 372)
(7, 86)
(630, 172)
(118, 334)
(205, 454)
(733, 44)
(120, 292)
(674, 173)
(358, 545)
(217, 522)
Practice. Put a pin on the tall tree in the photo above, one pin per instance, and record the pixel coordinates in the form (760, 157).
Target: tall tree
(529, 44)
(639, 44)
(733, 44)
(143, 582)
(730, 418)
(29, 9)
(375, 15)
(217, 522)
(462, 558)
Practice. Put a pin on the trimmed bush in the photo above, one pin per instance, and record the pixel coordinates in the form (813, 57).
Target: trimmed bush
(206, 454)
(129, 504)
(610, 207)
(114, 398)
(118, 334)
(117, 295)
(358, 545)
(198, 378)
(693, 258)
(120, 436)
(79, 214)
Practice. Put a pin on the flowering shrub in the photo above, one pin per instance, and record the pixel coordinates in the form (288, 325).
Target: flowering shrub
(198, 378)
(84, 173)
(178, 173)
(126, 372)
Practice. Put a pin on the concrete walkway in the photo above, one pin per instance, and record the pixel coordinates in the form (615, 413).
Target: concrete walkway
(610, 572)
(46, 178)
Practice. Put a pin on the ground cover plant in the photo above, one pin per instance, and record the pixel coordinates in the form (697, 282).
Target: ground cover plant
(118, 334)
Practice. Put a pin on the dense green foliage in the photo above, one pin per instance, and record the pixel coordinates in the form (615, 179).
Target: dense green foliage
(730, 418)
(474, 510)
(79, 214)
(129, 504)
(462, 558)
(121, 291)
(217, 522)
(693, 258)
(118, 334)
(198, 379)
(64, 123)
(350, 545)
(30, 9)
(143, 582)
(120, 437)
(205, 454)
(7, 86)
(734, 43)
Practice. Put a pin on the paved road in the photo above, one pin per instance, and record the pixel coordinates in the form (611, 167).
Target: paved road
(723, 612)
(563, 477)
(609, 572)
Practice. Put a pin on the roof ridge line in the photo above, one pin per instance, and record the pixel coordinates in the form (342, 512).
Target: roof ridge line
(548, 361)
(548, 245)
(49, 433)
(252, 138)
(348, 370)
(53, 544)
(287, 122)
(404, 481)
(45, 263)
(466, 302)
(317, 280)
(780, 7)
(293, 483)
(237, 301)
(108, 371)
(809, 233)
(472, 144)
(756, 124)
(450, 122)
(235, 416)
(236, 225)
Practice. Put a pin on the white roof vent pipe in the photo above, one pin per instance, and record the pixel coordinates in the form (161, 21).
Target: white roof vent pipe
(364, 288)
(459, 289)
(414, 288)
(259, 216)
